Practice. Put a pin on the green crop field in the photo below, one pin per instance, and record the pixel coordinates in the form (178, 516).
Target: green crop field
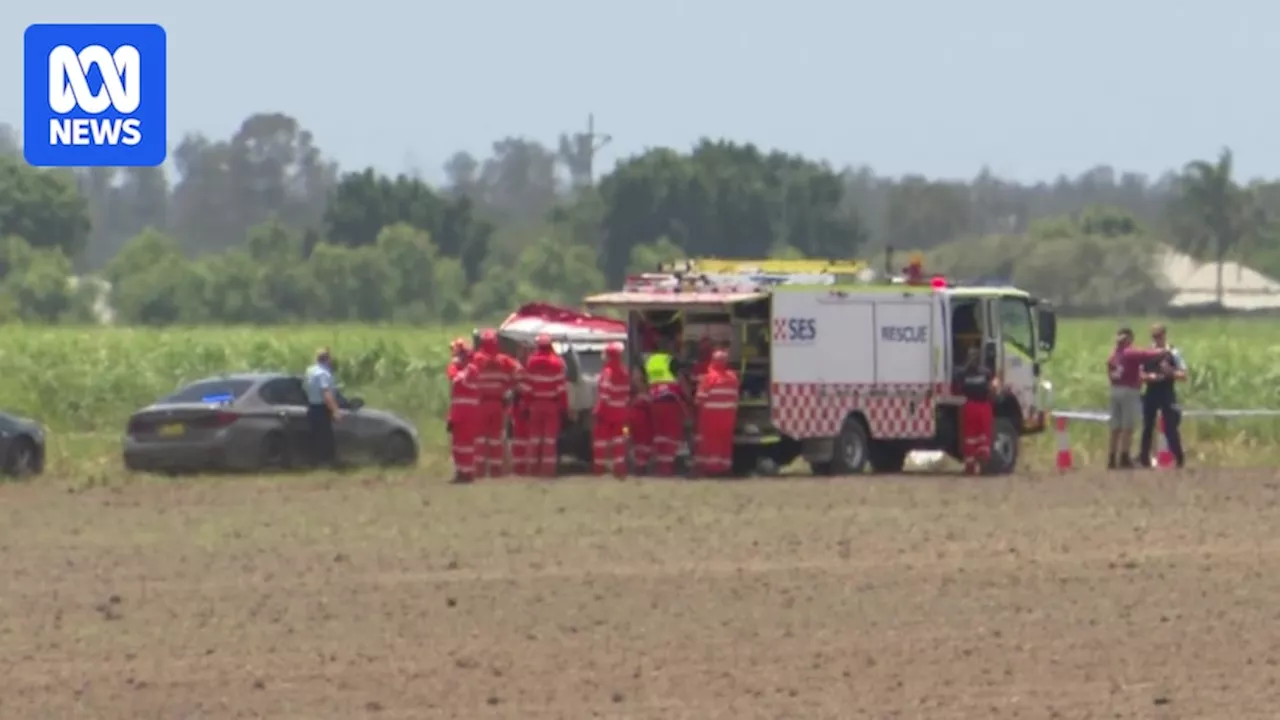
(1234, 364)
(84, 382)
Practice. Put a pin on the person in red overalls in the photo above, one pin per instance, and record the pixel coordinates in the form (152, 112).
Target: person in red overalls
(609, 417)
(640, 425)
(977, 415)
(662, 372)
(689, 383)
(717, 404)
(464, 401)
(498, 374)
(520, 444)
(544, 394)
(705, 350)
(913, 273)
(461, 357)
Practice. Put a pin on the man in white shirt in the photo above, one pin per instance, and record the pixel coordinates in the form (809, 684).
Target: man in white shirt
(322, 408)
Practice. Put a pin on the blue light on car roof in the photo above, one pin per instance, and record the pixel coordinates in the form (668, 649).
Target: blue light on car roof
(220, 398)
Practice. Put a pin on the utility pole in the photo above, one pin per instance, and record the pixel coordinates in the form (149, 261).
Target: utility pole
(591, 143)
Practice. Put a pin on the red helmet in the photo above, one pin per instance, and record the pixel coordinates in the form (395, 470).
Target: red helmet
(489, 341)
(613, 351)
(543, 342)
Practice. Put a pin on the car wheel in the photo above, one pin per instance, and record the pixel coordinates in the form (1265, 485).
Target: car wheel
(274, 454)
(23, 458)
(398, 450)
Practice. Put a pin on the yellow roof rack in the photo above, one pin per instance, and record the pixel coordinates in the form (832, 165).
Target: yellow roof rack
(772, 266)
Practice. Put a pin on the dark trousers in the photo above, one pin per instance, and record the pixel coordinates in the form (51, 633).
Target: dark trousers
(1172, 420)
(321, 441)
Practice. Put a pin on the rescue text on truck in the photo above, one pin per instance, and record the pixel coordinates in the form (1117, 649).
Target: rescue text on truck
(842, 369)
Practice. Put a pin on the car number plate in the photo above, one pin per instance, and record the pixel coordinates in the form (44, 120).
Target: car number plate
(170, 430)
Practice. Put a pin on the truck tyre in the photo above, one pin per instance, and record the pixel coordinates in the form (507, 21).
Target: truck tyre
(849, 457)
(1004, 447)
(887, 457)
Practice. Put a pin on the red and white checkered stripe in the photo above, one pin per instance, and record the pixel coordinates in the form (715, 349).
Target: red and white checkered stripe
(893, 410)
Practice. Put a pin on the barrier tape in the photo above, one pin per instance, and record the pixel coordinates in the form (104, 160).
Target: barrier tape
(1104, 416)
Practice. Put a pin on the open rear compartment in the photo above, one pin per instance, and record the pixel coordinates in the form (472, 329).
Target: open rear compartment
(738, 323)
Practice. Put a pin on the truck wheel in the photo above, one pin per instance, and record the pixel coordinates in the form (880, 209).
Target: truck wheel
(1004, 447)
(888, 457)
(851, 448)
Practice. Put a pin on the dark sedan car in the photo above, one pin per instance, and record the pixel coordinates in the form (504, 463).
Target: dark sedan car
(256, 421)
(21, 446)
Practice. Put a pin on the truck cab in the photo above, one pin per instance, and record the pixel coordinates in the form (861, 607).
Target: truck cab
(1017, 334)
(840, 369)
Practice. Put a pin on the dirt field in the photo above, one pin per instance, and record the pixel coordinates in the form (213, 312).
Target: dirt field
(1101, 596)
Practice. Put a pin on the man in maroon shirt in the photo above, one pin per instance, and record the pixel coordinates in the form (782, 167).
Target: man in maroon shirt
(1124, 368)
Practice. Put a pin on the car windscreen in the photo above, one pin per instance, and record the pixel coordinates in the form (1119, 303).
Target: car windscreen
(209, 391)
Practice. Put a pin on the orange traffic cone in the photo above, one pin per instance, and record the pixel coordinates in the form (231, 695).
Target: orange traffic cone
(1065, 461)
(1164, 458)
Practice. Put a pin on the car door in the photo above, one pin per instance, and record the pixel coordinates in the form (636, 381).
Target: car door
(357, 434)
(288, 400)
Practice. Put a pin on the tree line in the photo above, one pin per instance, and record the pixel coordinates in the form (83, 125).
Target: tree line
(263, 228)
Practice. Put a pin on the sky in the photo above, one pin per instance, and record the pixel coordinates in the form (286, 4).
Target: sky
(942, 88)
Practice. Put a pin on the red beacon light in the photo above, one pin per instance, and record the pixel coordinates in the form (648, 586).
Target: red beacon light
(938, 282)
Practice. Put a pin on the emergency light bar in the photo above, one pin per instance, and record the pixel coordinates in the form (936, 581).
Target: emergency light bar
(765, 266)
(674, 285)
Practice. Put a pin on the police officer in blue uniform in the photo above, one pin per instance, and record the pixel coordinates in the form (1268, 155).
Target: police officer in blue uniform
(322, 408)
(1161, 396)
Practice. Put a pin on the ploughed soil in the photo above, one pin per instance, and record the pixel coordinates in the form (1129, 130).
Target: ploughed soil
(1099, 595)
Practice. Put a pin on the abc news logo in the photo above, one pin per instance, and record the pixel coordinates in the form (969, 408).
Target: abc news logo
(69, 91)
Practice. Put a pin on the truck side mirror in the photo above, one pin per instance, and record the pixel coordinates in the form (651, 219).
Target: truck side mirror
(1047, 322)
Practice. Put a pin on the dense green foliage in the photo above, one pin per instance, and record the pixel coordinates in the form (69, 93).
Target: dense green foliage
(261, 228)
(90, 381)
(82, 381)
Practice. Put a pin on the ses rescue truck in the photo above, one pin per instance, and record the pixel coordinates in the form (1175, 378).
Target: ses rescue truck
(843, 370)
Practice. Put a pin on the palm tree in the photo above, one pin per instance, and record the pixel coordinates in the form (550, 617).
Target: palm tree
(1212, 208)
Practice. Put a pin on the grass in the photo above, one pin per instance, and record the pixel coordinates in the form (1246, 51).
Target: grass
(90, 380)
(1234, 364)
(84, 382)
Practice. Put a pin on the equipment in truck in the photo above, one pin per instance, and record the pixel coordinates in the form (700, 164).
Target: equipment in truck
(843, 370)
(579, 339)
